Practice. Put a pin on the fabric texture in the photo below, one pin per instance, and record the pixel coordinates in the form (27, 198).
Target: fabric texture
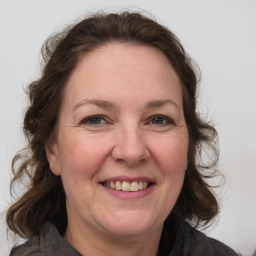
(187, 242)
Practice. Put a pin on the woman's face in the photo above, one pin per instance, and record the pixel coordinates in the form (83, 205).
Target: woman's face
(122, 141)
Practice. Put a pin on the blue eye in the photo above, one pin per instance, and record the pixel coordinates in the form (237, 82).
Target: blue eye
(93, 120)
(158, 120)
(161, 120)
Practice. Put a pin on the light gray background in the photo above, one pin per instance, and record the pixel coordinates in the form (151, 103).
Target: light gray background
(220, 35)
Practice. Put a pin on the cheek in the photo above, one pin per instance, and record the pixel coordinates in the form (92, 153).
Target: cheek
(80, 159)
(81, 155)
(172, 154)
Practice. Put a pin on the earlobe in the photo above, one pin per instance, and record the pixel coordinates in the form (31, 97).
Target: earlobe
(52, 157)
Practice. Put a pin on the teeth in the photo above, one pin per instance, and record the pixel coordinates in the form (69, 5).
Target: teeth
(112, 184)
(140, 185)
(118, 185)
(134, 186)
(127, 186)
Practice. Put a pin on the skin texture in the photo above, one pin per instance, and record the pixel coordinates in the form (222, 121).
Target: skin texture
(139, 132)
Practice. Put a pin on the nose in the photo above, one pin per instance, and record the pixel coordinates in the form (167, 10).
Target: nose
(130, 147)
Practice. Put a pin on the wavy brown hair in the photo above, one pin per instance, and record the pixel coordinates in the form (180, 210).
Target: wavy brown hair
(44, 199)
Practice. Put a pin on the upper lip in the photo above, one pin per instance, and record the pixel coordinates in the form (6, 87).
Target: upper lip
(128, 179)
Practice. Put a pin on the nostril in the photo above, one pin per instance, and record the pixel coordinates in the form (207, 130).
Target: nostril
(121, 161)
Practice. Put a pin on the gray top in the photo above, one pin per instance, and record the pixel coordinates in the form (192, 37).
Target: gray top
(188, 242)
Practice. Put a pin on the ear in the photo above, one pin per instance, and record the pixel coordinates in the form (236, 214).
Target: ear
(53, 158)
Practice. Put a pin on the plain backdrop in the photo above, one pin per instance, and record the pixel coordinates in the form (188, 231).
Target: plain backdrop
(221, 37)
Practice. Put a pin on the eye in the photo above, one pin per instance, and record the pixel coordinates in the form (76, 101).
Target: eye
(94, 120)
(161, 120)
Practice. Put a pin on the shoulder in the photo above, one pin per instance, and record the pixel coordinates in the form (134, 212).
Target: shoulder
(196, 243)
(47, 242)
(30, 247)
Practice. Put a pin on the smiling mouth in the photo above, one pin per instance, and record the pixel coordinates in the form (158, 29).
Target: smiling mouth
(126, 186)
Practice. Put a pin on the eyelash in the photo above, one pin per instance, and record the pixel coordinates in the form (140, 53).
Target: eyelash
(90, 120)
(166, 119)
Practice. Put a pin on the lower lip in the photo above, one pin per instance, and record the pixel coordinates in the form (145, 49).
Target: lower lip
(130, 195)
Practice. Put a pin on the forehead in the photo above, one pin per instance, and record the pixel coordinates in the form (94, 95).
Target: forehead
(122, 67)
(115, 57)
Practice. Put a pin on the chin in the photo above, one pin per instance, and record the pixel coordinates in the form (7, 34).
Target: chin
(132, 224)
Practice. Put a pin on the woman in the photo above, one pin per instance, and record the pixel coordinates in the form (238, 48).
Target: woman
(114, 146)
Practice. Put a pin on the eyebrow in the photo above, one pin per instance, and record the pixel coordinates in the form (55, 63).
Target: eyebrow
(160, 103)
(99, 103)
(109, 105)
